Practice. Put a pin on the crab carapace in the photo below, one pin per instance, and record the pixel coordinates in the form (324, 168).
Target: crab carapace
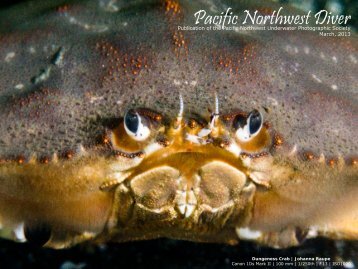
(117, 125)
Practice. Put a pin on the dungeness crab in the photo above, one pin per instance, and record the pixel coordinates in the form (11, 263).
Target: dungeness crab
(117, 125)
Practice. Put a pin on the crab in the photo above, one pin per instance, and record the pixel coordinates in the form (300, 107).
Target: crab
(111, 134)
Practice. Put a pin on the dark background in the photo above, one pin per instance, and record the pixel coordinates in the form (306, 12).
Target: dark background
(164, 253)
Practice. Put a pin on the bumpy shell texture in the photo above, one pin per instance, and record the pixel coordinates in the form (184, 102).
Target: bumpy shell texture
(70, 72)
(66, 69)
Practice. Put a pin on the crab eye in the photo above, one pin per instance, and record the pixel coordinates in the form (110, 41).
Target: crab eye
(135, 127)
(255, 122)
(239, 122)
(246, 128)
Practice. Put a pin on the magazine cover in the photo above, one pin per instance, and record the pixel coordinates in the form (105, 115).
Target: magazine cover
(178, 134)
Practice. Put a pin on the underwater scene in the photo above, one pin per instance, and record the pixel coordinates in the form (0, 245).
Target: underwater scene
(178, 134)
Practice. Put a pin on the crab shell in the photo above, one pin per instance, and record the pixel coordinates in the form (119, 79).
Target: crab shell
(69, 172)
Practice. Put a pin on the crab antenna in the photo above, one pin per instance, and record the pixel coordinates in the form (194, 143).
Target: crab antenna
(215, 116)
(179, 119)
(216, 104)
(181, 106)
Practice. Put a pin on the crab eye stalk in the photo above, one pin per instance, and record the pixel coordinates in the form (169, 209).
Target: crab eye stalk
(135, 126)
(247, 128)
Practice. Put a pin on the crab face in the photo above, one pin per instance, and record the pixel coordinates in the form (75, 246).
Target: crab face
(200, 175)
(186, 167)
